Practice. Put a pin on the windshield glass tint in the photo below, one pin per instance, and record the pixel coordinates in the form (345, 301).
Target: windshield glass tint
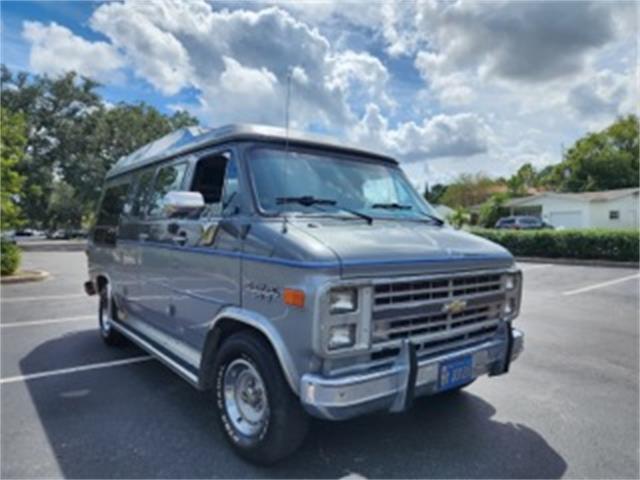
(376, 189)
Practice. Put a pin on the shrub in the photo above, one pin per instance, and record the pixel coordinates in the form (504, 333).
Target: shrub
(9, 258)
(601, 244)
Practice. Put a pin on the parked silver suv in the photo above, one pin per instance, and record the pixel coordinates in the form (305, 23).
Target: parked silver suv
(292, 276)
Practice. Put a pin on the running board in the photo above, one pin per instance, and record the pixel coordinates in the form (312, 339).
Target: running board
(154, 350)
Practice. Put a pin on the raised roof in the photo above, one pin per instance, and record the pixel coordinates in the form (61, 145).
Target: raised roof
(193, 138)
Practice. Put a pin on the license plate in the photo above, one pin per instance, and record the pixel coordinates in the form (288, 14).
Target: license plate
(455, 372)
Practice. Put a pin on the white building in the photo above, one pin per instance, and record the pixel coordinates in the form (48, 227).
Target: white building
(607, 209)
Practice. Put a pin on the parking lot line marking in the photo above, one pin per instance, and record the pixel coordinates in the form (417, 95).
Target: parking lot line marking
(31, 323)
(528, 267)
(601, 285)
(42, 297)
(81, 368)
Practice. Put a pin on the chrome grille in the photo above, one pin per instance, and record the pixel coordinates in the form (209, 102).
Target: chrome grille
(420, 290)
(416, 309)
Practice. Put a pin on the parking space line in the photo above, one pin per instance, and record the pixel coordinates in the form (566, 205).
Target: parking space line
(81, 368)
(601, 285)
(527, 267)
(31, 323)
(42, 297)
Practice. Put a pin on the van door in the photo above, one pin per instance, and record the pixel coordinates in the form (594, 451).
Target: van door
(132, 230)
(207, 275)
(157, 245)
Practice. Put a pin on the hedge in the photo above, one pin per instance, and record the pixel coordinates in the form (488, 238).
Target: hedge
(591, 244)
(9, 258)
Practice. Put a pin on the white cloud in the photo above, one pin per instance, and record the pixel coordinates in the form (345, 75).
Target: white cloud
(603, 94)
(492, 72)
(242, 80)
(56, 50)
(459, 135)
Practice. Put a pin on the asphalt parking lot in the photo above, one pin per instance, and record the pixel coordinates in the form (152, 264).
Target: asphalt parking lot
(72, 407)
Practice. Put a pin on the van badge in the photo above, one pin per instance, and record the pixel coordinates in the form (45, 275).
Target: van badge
(456, 306)
(262, 291)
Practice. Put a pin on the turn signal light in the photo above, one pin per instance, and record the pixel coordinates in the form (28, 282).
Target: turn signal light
(293, 297)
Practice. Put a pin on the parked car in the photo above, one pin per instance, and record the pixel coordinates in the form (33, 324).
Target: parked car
(292, 276)
(59, 234)
(522, 222)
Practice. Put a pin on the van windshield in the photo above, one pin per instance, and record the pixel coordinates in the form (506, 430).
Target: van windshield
(319, 183)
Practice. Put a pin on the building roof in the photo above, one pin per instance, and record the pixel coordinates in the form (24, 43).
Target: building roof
(601, 196)
(189, 139)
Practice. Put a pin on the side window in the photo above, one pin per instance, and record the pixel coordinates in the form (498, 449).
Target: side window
(112, 205)
(142, 193)
(168, 178)
(210, 180)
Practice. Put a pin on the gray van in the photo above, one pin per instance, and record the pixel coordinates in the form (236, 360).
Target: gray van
(294, 276)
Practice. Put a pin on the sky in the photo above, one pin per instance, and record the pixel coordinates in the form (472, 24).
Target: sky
(446, 87)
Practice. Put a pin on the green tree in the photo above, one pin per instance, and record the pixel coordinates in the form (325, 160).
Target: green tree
(459, 218)
(72, 136)
(603, 160)
(434, 194)
(64, 210)
(492, 210)
(52, 108)
(13, 140)
(469, 190)
(524, 179)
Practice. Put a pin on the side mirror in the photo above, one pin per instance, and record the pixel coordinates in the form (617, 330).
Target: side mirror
(182, 203)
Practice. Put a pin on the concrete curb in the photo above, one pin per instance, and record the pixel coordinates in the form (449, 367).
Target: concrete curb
(25, 276)
(53, 246)
(580, 262)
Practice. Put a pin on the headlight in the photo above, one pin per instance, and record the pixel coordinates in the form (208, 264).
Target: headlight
(509, 306)
(343, 300)
(510, 282)
(341, 336)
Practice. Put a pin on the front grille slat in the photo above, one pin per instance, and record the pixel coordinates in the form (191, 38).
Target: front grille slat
(420, 310)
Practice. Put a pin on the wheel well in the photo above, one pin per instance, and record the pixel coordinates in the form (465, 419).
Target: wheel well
(225, 327)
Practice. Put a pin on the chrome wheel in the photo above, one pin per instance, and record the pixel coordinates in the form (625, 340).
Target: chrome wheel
(245, 398)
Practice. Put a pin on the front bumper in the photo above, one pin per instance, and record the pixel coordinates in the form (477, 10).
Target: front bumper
(393, 388)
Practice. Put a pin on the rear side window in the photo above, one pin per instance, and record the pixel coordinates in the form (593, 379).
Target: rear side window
(142, 193)
(112, 205)
(169, 178)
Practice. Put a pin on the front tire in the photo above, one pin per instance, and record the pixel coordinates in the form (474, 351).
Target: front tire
(108, 333)
(259, 414)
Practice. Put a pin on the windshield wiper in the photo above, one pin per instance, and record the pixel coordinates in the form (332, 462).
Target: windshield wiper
(392, 206)
(309, 201)
(398, 206)
(305, 200)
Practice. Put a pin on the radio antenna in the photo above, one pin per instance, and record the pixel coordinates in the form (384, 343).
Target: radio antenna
(286, 110)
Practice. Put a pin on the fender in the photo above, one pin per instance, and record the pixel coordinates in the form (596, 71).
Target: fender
(264, 326)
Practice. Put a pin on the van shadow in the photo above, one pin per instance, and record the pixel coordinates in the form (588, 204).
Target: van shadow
(142, 421)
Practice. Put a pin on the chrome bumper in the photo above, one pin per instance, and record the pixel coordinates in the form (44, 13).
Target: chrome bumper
(390, 389)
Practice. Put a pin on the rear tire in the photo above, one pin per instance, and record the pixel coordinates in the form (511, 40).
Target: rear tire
(108, 333)
(260, 416)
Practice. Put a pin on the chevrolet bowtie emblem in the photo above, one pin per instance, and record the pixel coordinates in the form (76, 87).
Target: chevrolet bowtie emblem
(456, 306)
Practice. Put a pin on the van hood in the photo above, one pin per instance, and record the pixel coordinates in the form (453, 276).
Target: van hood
(393, 247)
